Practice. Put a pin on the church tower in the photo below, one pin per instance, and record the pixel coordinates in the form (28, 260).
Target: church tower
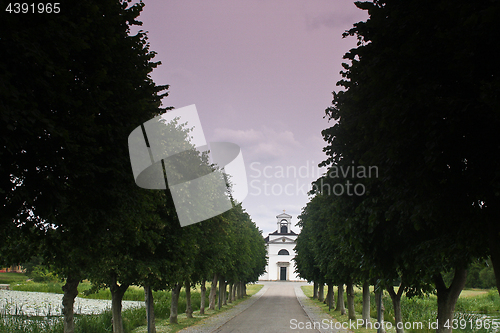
(284, 223)
(280, 251)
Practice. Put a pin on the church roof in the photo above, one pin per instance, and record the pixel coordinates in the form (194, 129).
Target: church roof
(284, 215)
(279, 233)
(276, 240)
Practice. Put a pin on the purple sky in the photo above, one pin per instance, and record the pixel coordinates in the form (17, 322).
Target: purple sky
(261, 75)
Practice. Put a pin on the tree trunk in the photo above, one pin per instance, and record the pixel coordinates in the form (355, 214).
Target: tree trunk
(350, 301)
(235, 289)
(150, 309)
(315, 289)
(447, 298)
(230, 293)
(189, 308)
(70, 292)
(321, 292)
(494, 241)
(174, 303)
(379, 295)
(213, 293)
(240, 290)
(224, 291)
(117, 292)
(366, 303)
(340, 299)
(244, 289)
(203, 292)
(396, 303)
(330, 296)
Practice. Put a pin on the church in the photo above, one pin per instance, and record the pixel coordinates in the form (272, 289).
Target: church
(280, 252)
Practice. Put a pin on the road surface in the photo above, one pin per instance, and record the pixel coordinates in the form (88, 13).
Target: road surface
(277, 307)
(277, 310)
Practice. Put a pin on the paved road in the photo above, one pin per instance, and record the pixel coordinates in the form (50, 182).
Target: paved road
(277, 310)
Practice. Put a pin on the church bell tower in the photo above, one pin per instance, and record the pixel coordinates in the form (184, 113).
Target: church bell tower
(284, 223)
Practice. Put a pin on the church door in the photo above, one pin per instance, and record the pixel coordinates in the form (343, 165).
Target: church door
(283, 273)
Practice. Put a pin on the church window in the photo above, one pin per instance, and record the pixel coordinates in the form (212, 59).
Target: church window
(283, 227)
(283, 252)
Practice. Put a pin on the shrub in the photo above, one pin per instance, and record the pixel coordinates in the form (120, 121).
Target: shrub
(40, 273)
(487, 278)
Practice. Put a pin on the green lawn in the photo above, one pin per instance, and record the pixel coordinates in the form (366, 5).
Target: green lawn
(133, 293)
(473, 292)
(8, 278)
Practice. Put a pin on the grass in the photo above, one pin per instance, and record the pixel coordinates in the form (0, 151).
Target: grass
(19, 324)
(473, 304)
(133, 293)
(8, 278)
(473, 292)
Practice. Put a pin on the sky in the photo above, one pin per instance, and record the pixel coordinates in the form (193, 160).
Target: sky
(261, 73)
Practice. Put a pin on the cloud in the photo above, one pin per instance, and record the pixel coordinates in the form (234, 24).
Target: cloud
(260, 145)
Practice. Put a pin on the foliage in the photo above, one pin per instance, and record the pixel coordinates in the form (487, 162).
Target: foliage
(42, 274)
(480, 274)
(433, 176)
(321, 255)
(68, 111)
(32, 263)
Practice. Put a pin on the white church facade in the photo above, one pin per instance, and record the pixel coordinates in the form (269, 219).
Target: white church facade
(280, 252)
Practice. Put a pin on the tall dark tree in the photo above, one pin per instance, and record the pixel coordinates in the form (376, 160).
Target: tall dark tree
(73, 86)
(420, 103)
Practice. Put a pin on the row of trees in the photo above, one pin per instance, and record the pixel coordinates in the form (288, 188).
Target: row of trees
(420, 106)
(73, 87)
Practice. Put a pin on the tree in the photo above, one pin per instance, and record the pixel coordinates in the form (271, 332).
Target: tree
(246, 259)
(334, 260)
(74, 85)
(407, 109)
(212, 248)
